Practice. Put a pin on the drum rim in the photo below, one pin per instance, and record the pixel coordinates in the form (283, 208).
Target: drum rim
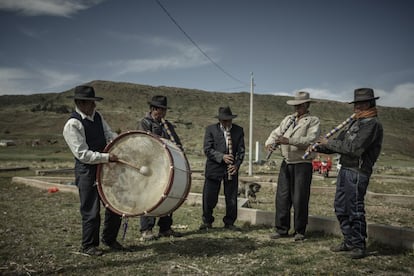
(186, 192)
(165, 192)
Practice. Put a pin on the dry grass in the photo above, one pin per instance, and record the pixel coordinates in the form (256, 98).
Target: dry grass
(40, 235)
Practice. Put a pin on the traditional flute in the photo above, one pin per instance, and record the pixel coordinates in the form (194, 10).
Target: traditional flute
(329, 134)
(274, 145)
(230, 146)
(164, 122)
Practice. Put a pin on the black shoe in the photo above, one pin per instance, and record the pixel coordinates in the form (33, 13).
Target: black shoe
(205, 226)
(170, 233)
(92, 251)
(343, 247)
(115, 245)
(299, 237)
(357, 253)
(148, 236)
(232, 227)
(277, 235)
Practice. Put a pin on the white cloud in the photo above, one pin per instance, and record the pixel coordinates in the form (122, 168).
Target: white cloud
(47, 7)
(16, 81)
(180, 56)
(183, 61)
(56, 80)
(400, 96)
(10, 80)
(13, 74)
(319, 94)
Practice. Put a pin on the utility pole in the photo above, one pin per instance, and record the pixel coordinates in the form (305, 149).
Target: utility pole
(251, 126)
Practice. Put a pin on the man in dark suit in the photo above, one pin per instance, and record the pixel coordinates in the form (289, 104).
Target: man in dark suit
(224, 149)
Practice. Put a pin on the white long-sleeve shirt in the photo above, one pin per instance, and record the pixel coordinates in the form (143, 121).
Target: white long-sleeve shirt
(74, 135)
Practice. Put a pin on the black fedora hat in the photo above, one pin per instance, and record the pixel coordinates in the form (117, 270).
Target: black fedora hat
(85, 92)
(158, 101)
(363, 95)
(224, 113)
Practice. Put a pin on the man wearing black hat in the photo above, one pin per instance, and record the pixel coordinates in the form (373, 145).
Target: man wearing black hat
(359, 145)
(155, 123)
(224, 149)
(87, 133)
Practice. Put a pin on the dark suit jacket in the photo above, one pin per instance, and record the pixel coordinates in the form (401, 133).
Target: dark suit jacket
(215, 148)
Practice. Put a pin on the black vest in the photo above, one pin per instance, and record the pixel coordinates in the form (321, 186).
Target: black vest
(95, 137)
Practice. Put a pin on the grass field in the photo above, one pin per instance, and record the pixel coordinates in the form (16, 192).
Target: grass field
(40, 235)
(40, 232)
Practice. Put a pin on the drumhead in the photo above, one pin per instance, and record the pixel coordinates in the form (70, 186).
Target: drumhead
(123, 188)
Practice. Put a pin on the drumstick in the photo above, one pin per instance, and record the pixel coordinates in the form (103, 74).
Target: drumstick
(144, 170)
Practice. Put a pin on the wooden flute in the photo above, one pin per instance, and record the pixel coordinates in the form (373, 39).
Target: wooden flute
(274, 145)
(329, 134)
(230, 146)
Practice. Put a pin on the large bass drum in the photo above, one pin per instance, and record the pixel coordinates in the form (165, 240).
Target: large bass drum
(157, 190)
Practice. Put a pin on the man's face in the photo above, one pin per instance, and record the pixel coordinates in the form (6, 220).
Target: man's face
(361, 106)
(158, 113)
(226, 123)
(87, 107)
(301, 108)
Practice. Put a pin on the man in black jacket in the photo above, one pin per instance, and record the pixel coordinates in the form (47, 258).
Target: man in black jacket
(224, 149)
(359, 145)
(154, 122)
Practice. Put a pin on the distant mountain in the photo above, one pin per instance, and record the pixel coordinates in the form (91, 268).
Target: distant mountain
(43, 115)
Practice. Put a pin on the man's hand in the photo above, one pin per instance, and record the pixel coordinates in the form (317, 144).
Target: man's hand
(232, 169)
(228, 158)
(322, 140)
(271, 147)
(282, 140)
(113, 157)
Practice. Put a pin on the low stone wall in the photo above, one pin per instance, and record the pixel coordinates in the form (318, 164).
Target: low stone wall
(394, 236)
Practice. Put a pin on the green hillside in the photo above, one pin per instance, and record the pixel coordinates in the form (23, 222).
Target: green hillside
(42, 116)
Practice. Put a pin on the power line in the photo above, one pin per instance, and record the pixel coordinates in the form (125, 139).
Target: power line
(198, 47)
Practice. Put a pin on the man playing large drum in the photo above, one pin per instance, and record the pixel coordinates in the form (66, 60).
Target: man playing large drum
(154, 122)
(87, 134)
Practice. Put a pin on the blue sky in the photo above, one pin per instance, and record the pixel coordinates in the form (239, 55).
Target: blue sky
(327, 47)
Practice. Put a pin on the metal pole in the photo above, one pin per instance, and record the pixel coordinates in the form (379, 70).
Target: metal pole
(251, 127)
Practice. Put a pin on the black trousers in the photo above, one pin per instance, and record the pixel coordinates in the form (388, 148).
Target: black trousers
(211, 192)
(293, 189)
(90, 204)
(147, 223)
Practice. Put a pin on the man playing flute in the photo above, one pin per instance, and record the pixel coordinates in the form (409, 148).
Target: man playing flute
(359, 145)
(294, 134)
(224, 149)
